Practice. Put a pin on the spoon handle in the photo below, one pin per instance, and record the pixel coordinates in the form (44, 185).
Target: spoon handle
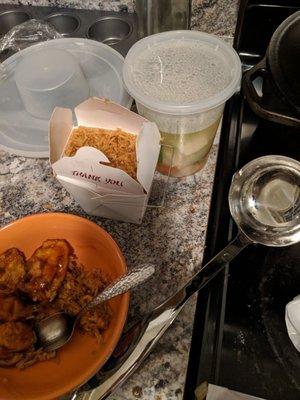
(138, 341)
(216, 264)
(128, 281)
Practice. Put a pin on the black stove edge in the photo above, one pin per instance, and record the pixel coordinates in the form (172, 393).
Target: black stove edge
(210, 306)
(207, 337)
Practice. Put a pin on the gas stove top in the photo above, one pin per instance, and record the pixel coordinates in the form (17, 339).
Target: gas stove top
(240, 339)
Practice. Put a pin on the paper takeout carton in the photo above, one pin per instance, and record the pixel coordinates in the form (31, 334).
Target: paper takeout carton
(100, 189)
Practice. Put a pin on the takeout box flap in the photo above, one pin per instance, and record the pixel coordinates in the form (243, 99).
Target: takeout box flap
(60, 126)
(148, 148)
(96, 112)
(85, 166)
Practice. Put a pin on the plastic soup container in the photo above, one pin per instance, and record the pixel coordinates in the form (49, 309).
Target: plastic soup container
(181, 80)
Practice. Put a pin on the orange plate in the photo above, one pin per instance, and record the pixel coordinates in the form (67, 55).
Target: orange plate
(79, 359)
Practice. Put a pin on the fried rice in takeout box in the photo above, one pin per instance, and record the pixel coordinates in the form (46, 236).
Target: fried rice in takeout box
(116, 181)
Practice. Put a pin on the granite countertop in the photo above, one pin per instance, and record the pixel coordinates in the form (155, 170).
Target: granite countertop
(172, 237)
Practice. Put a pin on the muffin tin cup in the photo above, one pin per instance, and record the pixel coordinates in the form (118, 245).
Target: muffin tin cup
(66, 24)
(109, 30)
(9, 19)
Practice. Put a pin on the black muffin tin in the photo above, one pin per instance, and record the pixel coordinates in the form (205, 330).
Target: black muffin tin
(117, 29)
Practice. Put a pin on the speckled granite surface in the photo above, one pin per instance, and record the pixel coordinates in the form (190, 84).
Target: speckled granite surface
(106, 5)
(172, 237)
(213, 16)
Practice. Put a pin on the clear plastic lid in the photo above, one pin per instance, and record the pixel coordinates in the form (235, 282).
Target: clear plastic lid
(46, 69)
(50, 78)
(181, 72)
(21, 132)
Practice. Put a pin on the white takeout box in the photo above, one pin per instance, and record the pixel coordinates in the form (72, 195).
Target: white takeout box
(100, 189)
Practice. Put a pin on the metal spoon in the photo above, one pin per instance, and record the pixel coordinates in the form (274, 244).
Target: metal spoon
(264, 201)
(56, 330)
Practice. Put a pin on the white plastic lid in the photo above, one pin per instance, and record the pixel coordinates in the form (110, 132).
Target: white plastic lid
(181, 72)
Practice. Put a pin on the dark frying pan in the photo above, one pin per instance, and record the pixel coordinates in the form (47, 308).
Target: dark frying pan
(280, 71)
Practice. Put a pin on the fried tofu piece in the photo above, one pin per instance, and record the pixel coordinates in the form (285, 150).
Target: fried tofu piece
(12, 270)
(46, 269)
(16, 336)
(8, 359)
(12, 308)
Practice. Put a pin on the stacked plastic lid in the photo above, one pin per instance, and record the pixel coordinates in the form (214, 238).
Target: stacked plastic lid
(60, 72)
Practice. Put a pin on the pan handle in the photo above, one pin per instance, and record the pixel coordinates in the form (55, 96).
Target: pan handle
(255, 101)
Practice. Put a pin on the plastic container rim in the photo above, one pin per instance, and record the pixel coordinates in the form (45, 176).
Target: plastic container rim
(42, 45)
(193, 107)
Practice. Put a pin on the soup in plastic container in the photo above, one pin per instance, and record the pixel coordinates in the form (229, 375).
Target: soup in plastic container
(181, 80)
